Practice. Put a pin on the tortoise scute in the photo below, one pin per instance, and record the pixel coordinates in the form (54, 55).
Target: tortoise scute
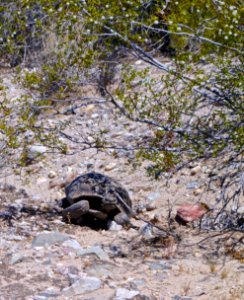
(73, 191)
(106, 196)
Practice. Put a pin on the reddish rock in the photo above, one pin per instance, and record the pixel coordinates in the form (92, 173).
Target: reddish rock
(190, 212)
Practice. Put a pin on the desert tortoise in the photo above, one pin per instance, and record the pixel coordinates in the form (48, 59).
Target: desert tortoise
(97, 197)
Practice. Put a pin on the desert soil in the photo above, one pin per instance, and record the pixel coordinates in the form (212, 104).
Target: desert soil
(42, 257)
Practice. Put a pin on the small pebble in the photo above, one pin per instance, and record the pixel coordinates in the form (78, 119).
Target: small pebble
(113, 226)
(197, 192)
(192, 185)
(146, 230)
(52, 174)
(41, 180)
(89, 108)
(195, 170)
(110, 166)
(151, 206)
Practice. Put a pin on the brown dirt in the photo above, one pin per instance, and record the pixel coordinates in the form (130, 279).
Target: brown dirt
(157, 266)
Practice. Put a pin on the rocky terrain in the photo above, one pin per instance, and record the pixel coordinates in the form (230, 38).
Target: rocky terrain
(42, 257)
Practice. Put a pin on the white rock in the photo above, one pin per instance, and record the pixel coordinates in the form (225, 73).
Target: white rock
(41, 180)
(138, 62)
(113, 226)
(36, 150)
(123, 294)
(110, 167)
(241, 210)
(95, 116)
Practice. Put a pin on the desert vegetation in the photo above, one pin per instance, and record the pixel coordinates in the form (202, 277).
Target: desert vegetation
(192, 102)
(150, 94)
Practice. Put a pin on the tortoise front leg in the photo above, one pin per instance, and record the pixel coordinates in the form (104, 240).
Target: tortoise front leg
(122, 219)
(76, 210)
(98, 214)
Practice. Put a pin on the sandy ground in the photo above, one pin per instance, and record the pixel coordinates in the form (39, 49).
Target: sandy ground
(124, 263)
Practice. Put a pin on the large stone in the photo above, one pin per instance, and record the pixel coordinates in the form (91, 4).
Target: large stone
(161, 265)
(94, 250)
(101, 294)
(190, 212)
(83, 285)
(49, 238)
(16, 258)
(102, 269)
(48, 293)
(123, 294)
(35, 151)
(73, 244)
